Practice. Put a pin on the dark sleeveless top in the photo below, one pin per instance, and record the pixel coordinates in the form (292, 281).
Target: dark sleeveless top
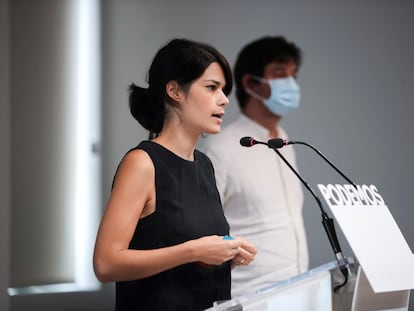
(188, 206)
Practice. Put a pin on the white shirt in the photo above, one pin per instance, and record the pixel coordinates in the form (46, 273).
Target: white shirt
(262, 200)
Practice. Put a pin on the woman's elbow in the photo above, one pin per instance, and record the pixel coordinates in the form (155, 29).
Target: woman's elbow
(103, 271)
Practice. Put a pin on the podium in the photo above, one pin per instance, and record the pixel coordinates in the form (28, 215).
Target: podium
(313, 290)
(380, 279)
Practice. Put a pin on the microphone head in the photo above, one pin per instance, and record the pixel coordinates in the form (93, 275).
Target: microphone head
(247, 141)
(276, 142)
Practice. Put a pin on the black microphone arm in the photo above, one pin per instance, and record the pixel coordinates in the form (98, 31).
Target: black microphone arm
(327, 222)
(279, 143)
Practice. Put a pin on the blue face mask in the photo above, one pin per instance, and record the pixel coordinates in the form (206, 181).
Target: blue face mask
(284, 95)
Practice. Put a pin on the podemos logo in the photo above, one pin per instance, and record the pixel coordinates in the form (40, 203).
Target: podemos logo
(342, 195)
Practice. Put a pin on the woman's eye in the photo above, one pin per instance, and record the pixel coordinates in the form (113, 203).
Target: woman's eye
(212, 87)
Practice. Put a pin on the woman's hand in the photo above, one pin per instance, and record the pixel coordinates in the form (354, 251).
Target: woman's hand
(246, 253)
(214, 250)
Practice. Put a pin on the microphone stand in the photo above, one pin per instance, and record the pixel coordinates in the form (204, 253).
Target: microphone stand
(327, 222)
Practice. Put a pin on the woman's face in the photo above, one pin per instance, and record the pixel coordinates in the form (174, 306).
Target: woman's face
(202, 108)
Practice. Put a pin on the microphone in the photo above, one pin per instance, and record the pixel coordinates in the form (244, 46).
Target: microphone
(327, 222)
(249, 141)
(279, 143)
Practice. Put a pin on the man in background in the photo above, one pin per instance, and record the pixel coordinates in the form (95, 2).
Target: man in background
(261, 196)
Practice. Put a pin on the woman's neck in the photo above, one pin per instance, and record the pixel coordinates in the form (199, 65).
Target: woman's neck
(178, 141)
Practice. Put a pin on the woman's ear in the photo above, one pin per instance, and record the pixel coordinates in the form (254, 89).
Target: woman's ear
(174, 91)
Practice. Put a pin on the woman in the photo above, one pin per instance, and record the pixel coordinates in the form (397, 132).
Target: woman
(163, 236)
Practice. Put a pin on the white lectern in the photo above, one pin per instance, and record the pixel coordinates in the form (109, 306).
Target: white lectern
(311, 290)
(314, 291)
(386, 273)
(385, 269)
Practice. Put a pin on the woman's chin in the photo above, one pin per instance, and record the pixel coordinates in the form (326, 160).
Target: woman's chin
(213, 130)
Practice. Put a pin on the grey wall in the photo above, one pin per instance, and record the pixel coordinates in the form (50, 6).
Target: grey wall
(357, 80)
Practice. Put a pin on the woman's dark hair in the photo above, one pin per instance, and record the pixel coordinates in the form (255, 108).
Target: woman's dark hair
(180, 60)
(254, 57)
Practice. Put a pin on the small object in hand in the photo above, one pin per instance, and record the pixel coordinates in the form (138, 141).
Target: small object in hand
(228, 237)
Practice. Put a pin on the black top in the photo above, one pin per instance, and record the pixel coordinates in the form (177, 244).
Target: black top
(188, 206)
